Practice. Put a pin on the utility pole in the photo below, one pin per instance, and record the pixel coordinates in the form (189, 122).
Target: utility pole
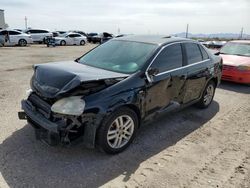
(187, 31)
(241, 33)
(26, 19)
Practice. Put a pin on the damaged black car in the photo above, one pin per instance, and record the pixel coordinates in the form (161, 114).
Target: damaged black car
(103, 97)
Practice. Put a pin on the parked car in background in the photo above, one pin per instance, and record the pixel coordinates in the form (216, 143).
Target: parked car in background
(1, 40)
(236, 61)
(90, 35)
(103, 97)
(102, 37)
(71, 39)
(214, 44)
(79, 32)
(39, 35)
(14, 37)
(55, 34)
(61, 33)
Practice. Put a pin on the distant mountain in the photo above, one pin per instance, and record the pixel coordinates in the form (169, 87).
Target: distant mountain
(214, 35)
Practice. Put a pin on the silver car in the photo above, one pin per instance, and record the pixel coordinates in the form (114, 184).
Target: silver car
(71, 39)
(39, 35)
(13, 37)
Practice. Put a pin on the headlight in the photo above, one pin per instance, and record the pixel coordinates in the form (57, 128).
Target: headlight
(244, 67)
(70, 106)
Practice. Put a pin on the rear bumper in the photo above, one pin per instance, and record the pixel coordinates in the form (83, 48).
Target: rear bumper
(236, 76)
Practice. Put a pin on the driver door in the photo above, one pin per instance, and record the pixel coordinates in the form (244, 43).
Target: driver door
(167, 85)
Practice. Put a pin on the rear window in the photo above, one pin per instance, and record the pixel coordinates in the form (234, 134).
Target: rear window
(193, 53)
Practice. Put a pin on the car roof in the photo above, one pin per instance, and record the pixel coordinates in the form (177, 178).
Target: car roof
(241, 41)
(152, 39)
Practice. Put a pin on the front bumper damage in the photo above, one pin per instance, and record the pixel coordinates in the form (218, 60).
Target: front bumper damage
(61, 129)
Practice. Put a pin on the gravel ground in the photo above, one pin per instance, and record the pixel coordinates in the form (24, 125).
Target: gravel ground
(191, 148)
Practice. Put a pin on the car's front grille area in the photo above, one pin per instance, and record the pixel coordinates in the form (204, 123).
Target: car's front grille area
(42, 106)
(229, 68)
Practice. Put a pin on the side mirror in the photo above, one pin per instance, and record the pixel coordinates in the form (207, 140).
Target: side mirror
(153, 71)
(217, 53)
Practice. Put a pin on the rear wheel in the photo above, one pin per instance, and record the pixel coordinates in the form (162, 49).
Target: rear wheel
(63, 43)
(22, 42)
(82, 42)
(207, 96)
(117, 131)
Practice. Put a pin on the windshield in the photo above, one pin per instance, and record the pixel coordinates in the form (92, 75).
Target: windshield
(119, 56)
(231, 48)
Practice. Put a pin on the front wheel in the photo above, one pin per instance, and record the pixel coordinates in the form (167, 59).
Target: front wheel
(207, 96)
(117, 131)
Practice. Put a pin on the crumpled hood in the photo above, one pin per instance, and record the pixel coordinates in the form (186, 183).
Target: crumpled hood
(235, 60)
(52, 79)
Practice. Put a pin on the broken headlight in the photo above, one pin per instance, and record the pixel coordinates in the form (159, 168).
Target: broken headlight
(71, 106)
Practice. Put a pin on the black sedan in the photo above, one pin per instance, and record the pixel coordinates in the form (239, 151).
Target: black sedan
(101, 38)
(103, 97)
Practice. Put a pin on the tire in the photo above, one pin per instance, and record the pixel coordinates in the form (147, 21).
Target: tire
(82, 43)
(207, 96)
(120, 134)
(63, 43)
(22, 42)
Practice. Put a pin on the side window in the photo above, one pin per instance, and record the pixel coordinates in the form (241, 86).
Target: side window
(32, 31)
(43, 31)
(193, 53)
(204, 53)
(14, 33)
(169, 58)
(3, 32)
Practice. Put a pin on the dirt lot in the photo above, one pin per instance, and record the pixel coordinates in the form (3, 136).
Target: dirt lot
(192, 148)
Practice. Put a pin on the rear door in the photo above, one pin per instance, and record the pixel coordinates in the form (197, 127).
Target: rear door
(166, 86)
(14, 37)
(77, 39)
(70, 39)
(196, 63)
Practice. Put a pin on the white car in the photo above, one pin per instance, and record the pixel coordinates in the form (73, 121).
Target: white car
(71, 39)
(13, 37)
(39, 35)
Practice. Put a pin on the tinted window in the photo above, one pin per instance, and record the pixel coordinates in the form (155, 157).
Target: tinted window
(31, 31)
(3, 32)
(169, 58)
(204, 53)
(42, 31)
(14, 33)
(193, 53)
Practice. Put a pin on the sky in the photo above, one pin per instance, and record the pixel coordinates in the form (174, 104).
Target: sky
(130, 16)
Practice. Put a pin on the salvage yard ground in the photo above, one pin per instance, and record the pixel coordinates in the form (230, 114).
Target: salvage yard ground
(191, 148)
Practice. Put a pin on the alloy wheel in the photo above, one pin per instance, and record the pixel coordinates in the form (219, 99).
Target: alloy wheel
(209, 94)
(120, 131)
